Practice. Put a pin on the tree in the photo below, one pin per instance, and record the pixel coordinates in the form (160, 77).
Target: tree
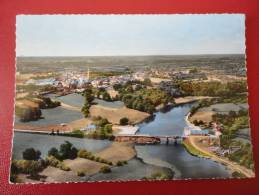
(31, 154)
(85, 109)
(28, 113)
(65, 150)
(102, 122)
(88, 95)
(147, 82)
(106, 96)
(117, 86)
(149, 108)
(73, 153)
(232, 113)
(194, 70)
(129, 89)
(105, 169)
(108, 128)
(102, 134)
(54, 152)
(31, 167)
(119, 163)
(124, 121)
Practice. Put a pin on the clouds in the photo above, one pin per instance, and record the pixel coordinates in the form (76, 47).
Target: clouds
(86, 35)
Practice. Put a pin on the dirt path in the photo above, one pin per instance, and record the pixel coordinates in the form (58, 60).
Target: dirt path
(231, 165)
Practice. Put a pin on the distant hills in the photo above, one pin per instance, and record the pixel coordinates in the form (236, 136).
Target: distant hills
(229, 63)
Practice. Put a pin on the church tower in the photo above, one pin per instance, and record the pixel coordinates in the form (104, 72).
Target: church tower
(88, 74)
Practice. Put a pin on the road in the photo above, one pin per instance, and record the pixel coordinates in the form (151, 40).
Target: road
(231, 165)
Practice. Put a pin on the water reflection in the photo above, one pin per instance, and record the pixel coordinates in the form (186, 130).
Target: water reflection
(43, 143)
(181, 162)
(170, 122)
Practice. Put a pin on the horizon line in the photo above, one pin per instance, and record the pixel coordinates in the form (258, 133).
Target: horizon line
(133, 55)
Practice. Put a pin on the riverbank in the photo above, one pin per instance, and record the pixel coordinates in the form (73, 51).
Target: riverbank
(113, 111)
(61, 128)
(192, 150)
(232, 166)
(115, 152)
(171, 122)
(189, 99)
(114, 115)
(189, 123)
(42, 129)
(118, 151)
(193, 146)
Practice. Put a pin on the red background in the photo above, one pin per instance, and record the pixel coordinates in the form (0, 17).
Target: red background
(10, 8)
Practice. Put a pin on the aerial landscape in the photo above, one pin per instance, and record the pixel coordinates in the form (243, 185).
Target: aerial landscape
(142, 114)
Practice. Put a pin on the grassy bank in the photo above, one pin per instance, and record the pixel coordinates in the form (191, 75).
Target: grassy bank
(192, 150)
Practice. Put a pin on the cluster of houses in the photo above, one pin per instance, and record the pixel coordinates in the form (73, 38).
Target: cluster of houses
(183, 75)
(217, 129)
(213, 136)
(174, 74)
(50, 81)
(74, 80)
(67, 80)
(215, 132)
(161, 73)
(171, 88)
(106, 82)
(79, 81)
(223, 152)
(140, 75)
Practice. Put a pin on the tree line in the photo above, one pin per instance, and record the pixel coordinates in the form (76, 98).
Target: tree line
(141, 98)
(213, 88)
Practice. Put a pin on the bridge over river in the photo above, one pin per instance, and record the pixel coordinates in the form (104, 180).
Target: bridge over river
(150, 139)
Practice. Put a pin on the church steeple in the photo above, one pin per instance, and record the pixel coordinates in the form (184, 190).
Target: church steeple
(88, 74)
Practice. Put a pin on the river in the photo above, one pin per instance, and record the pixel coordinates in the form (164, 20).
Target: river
(58, 115)
(172, 122)
(43, 143)
(77, 100)
(160, 158)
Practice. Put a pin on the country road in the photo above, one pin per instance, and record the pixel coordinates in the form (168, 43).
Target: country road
(231, 165)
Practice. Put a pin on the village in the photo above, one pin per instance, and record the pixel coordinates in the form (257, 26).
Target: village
(137, 107)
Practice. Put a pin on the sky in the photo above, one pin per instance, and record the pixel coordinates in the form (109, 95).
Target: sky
(111, 35)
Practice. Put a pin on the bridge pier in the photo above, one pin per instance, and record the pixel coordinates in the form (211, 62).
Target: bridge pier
(167, 140)
(175, 142)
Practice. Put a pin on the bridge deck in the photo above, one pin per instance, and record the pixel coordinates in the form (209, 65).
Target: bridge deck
(150, 136)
